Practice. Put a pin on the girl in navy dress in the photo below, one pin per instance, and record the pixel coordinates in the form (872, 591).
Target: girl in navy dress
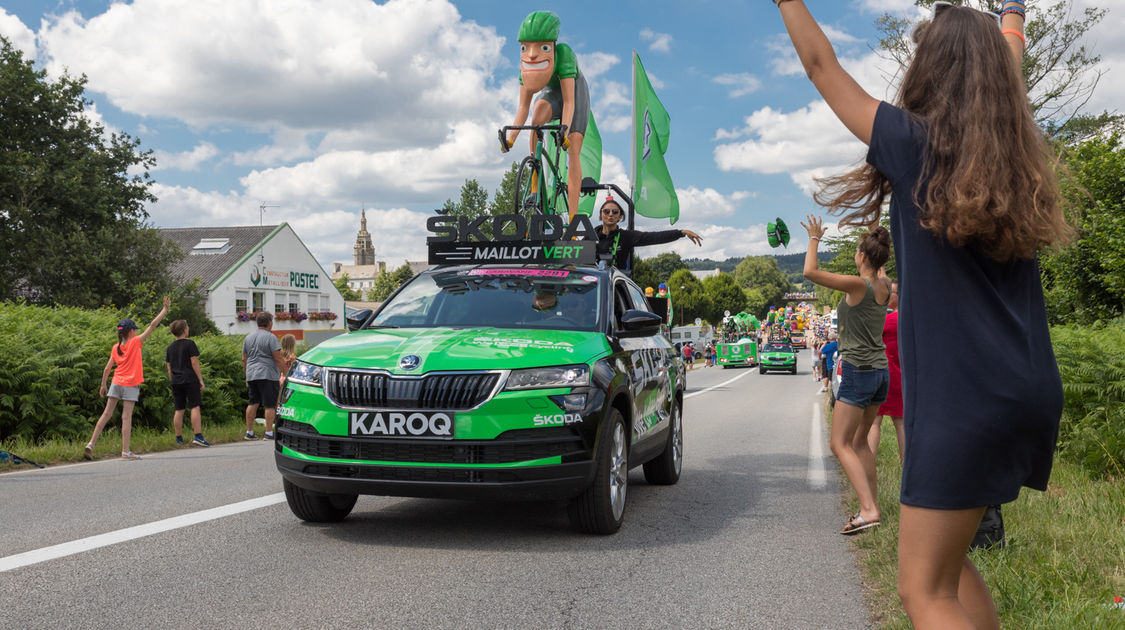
(973, 198)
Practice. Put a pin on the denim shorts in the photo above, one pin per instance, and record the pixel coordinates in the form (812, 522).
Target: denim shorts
(863, 388)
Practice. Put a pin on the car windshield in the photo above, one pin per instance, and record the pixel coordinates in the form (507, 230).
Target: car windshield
(778, 347)
(505, 297)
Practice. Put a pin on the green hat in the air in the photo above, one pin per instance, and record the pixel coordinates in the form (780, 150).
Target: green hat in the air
(540, 26)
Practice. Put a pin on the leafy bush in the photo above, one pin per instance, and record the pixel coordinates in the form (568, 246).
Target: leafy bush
(52, 363)
(1092, 363)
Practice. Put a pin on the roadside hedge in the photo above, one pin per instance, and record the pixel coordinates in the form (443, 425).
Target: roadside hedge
(52, 361)
(1092, 364)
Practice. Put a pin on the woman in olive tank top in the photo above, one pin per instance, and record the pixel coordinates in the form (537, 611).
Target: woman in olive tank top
(864, 376)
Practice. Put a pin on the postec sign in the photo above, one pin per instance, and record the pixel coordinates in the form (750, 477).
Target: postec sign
(542, 239)
(281, 279)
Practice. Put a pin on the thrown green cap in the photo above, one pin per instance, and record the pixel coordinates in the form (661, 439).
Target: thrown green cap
(540, 26)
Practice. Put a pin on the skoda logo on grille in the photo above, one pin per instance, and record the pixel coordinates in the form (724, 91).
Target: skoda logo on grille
(410, 361)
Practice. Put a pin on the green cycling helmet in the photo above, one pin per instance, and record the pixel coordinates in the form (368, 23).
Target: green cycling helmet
(540, 26)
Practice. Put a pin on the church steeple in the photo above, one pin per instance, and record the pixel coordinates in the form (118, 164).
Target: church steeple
(364, 248)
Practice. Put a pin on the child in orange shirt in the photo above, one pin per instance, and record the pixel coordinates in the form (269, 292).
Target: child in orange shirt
(127, 379)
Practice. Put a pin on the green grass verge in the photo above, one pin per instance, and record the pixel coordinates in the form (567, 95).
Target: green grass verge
(144, 440)
(1063, 563)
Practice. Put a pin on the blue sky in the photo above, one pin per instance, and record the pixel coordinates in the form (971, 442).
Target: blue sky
(323, 107)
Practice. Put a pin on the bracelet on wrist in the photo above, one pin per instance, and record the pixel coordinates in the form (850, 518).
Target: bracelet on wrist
(1012, 31)
(814, 238)
(1016, 10)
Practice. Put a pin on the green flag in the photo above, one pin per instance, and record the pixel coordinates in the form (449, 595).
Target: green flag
(591, 158)
(653, 192)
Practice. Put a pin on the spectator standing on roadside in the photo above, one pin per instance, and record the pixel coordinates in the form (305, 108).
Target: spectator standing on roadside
(263, 363)
(827, 355)
(689, 355)
(864, 377)
(973, 198)
(186, 378)
(288, 356)
(127, 378)
(893, 405)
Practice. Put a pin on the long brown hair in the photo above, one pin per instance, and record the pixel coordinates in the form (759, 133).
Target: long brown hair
(989, 174)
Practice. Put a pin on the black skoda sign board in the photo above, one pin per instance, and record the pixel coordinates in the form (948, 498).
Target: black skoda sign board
(542, 239)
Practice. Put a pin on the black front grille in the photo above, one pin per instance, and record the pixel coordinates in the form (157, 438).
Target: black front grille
(373, 390)
(520, 446)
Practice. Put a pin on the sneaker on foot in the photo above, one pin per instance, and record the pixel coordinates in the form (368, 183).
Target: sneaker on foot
(129, 455)
(823, 389)
(199, 441)
(89, 452)
(250, 436)
(269, 435)
(179, 440)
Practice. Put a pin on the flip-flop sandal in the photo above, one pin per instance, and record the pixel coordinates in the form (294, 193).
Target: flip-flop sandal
(856, 524)
(88, 453)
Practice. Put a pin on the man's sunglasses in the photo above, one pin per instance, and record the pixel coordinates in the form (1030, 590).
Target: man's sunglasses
(941, 7)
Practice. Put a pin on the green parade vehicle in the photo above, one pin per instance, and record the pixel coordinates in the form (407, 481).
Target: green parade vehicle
(778, 355)
(743, 352)
(510, 375)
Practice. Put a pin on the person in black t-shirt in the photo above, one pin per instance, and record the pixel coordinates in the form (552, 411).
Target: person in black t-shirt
(619, 243)
(182, 359)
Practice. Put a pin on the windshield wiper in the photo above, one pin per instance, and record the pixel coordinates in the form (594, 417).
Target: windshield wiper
(383, 326)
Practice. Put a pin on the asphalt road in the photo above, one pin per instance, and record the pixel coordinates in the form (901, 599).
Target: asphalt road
(747, 539)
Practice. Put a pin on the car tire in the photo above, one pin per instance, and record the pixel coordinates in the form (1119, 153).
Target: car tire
(317, 507)
(600, 508)
(761, 370)
(794, 370)
(665, 469)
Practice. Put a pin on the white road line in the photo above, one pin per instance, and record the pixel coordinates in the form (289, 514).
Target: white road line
(818, 476)
(138, 531)
(704, 391)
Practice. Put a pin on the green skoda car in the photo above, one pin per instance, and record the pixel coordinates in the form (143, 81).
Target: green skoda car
(488, 382)
(777, 356)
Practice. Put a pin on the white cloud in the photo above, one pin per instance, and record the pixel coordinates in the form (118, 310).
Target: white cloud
(399, 175)
(708, 203)
(20, 36)
(887, 6)
(597, 63)
(301, 64)
(1106, 40)
(741, 84)
(659, 42)
(802, 143)
(185, 160)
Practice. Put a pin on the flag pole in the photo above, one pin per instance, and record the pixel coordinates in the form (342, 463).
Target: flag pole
(633, 151)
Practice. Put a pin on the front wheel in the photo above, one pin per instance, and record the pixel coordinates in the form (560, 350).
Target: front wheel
(761, 370)
(317, 507)
(600, 509)
(665, 469)
(527, 199)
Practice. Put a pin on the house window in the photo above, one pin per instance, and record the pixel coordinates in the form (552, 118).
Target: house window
(294, 302)
(241, 301)
(324, 304)
(259, 301)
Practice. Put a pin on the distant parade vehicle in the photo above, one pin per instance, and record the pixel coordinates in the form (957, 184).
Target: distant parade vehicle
(489, 379)
(777, 356)
(741, 353)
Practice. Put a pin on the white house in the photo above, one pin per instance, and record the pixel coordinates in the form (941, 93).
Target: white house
(246, 269)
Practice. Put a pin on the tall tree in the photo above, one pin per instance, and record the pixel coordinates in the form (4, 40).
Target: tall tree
(762, 274)
(689, 299)
(666, 264)
(1085, 282)
(72, 219)
(504, 198)
(349, 294)
(1061, 73)
(725, 295)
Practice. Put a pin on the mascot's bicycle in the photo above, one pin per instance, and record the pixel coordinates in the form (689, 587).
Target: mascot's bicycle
(540, 182)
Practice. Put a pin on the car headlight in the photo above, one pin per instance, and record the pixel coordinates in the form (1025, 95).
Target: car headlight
(549, 377)
(305, 374)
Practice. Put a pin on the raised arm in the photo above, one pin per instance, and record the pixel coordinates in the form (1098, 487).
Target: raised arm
(852, 285)
(521, 115)
(156, 320)
(850, 102)
(1011, 25)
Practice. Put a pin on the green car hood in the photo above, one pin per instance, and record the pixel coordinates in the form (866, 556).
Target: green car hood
(458, 349)
(778, 355)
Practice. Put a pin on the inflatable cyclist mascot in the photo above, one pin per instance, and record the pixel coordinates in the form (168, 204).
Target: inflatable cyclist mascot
(550, 69)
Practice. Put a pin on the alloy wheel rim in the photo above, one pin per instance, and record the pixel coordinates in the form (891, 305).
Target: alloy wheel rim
(618, 473)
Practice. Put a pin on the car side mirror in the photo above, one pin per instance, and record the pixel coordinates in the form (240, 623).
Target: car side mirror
(635, 323)
(357, 319)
